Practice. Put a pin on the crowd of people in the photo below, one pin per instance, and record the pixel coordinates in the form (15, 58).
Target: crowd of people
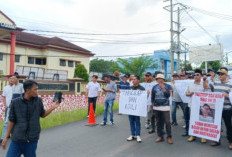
(24, 108)
(161, 113)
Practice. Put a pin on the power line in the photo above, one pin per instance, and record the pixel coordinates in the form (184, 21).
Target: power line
(201, 26)
(79, 33)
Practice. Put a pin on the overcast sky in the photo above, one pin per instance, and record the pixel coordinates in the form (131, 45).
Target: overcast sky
(121, 17)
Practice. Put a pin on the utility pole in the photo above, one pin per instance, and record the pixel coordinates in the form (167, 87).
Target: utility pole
(178, 39)
(171, 31)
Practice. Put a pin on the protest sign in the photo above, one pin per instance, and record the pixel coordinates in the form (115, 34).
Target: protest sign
(148, 87)
(181, 87)
(206, 115)
(133, 102)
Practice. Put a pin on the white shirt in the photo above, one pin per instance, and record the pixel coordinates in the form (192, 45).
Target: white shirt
(7, 93)
(93, 89)
(18, 89)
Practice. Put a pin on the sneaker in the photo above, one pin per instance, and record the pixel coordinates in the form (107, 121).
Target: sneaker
(174, 123)
(103, 123)
(191, 138)
(184, 126)
(185, 134)
(111, 123)
(88, 116)
(151, 131)
(139, 139)
(130, 138)
(203, 140)
(147, 126)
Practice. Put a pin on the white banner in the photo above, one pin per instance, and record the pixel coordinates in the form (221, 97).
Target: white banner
(133, 102)
(206, 115)
(181, 87)
(148, 87)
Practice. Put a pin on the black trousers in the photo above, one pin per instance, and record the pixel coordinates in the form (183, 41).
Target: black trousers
(227, 115)
(161, 118)
(94, 101)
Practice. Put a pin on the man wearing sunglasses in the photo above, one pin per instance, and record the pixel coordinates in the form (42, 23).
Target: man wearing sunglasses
(223, 86)
(196, 86)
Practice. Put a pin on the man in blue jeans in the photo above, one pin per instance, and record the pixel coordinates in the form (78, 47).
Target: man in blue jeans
(24, 121)
(110, 90)
(135, 125)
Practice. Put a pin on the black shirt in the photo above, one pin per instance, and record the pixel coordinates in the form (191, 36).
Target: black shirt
(26, 118)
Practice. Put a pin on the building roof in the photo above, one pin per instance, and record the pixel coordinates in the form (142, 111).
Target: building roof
(46, 42)
(7, 18)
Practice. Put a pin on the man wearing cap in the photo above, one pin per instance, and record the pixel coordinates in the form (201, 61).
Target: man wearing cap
(7, 96)
(176, 100)
(196, 86)
(148, 84)
(224, 87)
(124, 84)
(110, 90)
(160, 101)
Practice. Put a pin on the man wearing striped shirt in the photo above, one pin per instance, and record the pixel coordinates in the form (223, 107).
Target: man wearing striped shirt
(224, 86)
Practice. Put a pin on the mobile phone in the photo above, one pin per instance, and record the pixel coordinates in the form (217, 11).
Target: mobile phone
(57, 96)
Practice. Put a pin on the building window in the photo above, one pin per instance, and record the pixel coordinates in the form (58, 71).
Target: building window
(1, 56)
(62, 62)
(56, 77)
(78, 87)
(40, 61)
(70, 63)
(31, 60)
(17, 58)
(31, 76)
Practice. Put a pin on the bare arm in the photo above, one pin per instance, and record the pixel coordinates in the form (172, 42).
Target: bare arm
(9, 129)
(4, 102)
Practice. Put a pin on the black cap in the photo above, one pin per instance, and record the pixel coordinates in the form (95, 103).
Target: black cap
(16, 74)
(126, 76)
(175, 75)
(209, 70)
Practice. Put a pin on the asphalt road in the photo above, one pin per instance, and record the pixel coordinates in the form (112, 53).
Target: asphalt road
(77, 140)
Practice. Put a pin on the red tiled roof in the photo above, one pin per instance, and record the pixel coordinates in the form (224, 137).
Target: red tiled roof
(44, 42)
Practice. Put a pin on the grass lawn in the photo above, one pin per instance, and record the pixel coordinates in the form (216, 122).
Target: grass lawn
(59, 118)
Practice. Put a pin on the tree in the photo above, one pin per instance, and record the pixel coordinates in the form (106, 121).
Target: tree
(101, 65)
(81, 72)
(215, 65)
(136, 66)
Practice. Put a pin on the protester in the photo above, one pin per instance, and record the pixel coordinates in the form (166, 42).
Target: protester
(160, 101)
(148, 87)
(224, 87)
(124, 84)
(110, 90)
(152, 111)
(93, 90)
(176, 100)
(135, 125)
(7, 96)
(18, 87)
(196, 86)
(24, 121)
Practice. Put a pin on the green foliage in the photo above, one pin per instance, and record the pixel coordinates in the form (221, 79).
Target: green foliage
(60, 118)
(215, 65)
(188, 67)
(101, 65)
(136, 66)
(81, 72)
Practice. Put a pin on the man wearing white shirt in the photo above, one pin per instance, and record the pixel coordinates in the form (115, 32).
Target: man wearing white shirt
(93, 90)
(7, 97)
